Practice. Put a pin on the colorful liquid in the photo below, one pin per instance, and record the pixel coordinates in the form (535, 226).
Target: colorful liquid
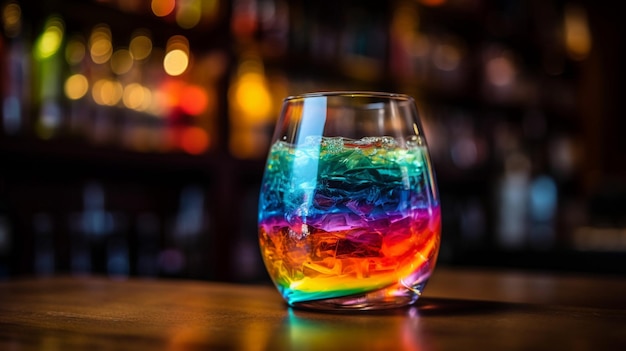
(341, 218)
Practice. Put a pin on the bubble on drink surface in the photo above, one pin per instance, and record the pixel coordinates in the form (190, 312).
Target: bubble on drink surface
(333, 145)
(414, 142)
(386, 142)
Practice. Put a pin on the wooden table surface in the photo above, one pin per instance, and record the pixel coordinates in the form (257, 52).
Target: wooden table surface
(460, 310)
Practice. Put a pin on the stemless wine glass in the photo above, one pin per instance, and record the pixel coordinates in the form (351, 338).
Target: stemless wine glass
(349, 213)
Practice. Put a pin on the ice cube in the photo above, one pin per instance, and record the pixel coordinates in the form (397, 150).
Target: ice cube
(360, 207)
(333, 222)
(323, 245)
(312, 140)
(360, 244)
(323, 202)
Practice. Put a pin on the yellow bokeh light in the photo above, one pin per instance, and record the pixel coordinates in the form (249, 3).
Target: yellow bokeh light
(252, 96)
(12, 19)
(121, 61)
(75, 51)
(50, 40)
(210, 8)
(188, 13)
(175, 62)
(107, 92)
(157, 106)
(140, 46)
(163, 8)
(100, 46)
(137, 97)
(76, 86)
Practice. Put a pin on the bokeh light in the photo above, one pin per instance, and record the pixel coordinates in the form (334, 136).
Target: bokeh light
(121, 61)
(252, 96)
(107, 92)
(194, 100)
(76, 86)
(188, 13)
(137, 97)
(140, 45)
(163, 8)
(12, 19)
(501, 71)
(577, 33)
(50, 40)
(194, 140)
(446, 57)
(100, 45)
(244, 19)
(175, 62)
(176, 59)
(75, 50)
(169, 93)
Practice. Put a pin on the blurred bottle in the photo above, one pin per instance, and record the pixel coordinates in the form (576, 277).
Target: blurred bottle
(44, 244)
(47, 84)
(512, 202)
(543, 206)
(148, 227)
(15, 69)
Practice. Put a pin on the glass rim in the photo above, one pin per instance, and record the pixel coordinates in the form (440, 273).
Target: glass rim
(351, 94)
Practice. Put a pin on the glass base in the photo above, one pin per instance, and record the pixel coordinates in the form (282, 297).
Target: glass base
(386, 298)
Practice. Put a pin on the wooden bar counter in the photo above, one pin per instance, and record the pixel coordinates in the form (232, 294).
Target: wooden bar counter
(460, 310)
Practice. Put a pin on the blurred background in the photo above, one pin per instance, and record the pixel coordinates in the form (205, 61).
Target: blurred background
(133, 132)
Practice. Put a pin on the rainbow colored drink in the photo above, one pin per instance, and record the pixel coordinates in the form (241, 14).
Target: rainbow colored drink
(344, 220)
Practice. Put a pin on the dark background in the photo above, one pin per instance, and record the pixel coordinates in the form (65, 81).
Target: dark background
(525, 130)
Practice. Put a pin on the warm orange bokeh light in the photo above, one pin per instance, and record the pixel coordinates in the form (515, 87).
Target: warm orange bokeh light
(193, 100)
(76, 86)
(194, 140)
(170, 93)
(577, 34)
(163, 8)
(100, 45)
(252, 96)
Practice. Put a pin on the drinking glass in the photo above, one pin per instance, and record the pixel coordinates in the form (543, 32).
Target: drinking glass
(349, 215)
